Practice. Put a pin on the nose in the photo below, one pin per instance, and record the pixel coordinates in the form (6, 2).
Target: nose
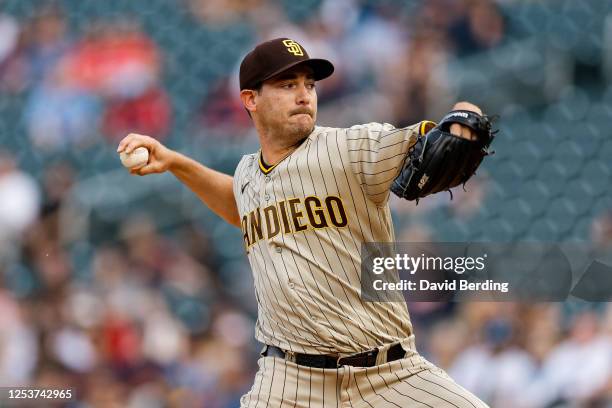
(303, 96)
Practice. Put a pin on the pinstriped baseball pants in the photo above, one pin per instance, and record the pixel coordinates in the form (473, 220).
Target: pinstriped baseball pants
(406, 383)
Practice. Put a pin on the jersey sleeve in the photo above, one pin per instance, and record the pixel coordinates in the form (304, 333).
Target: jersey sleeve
(377, 152)
(238, 178)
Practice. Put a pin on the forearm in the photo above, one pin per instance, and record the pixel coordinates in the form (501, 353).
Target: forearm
(215, 189)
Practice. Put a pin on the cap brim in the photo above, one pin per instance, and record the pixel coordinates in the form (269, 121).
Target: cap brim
(321, 68)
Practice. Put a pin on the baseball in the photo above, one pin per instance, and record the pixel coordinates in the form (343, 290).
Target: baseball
(138, 158)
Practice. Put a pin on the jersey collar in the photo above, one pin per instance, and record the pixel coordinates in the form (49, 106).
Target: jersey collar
(266, 169)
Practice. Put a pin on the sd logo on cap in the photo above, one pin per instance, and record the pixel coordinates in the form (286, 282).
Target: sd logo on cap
(272, 57)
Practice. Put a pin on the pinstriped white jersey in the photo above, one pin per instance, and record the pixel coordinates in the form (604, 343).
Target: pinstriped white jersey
(303, 223)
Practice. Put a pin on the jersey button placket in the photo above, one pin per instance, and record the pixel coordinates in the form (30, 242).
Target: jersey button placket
(266, 188)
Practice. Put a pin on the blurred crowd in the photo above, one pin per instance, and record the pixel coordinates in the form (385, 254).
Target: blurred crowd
(105, 82)
(131, 314)
(519, 356)
(142, 320)
(389, 57)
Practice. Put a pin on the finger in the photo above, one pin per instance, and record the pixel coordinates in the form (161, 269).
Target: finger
(131, 146)
(134, 141)
(455, 129)
(125, 141)
(466, 133)
(148, 169)
(462, 131)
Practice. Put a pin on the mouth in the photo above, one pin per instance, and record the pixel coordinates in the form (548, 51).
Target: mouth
(301, 113)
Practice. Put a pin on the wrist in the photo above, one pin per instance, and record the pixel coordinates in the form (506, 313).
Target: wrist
(174, 161)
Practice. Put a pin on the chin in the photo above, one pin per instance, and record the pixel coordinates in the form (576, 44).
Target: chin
(303, 127)
(306, 130)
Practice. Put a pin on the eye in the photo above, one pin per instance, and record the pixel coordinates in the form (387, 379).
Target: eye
(288, 85)
(310, 85)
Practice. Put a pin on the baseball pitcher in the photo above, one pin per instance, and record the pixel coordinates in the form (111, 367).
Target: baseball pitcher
(304, 203)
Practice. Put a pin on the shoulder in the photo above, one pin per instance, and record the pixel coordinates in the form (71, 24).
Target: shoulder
(245, 161)
(373, 127)
(326, 131)
(368, 126)
(372, 130)
(323, 131)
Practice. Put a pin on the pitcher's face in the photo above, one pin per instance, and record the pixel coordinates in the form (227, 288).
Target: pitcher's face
(287, 103)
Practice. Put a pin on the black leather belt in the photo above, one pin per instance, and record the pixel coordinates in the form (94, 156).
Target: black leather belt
(364, 359)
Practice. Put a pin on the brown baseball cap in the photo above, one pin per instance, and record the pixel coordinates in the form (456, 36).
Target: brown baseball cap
(272, 57)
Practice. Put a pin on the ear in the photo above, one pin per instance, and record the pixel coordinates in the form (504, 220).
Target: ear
(248, 99)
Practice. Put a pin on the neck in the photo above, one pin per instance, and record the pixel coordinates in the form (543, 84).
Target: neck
(275, 148)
